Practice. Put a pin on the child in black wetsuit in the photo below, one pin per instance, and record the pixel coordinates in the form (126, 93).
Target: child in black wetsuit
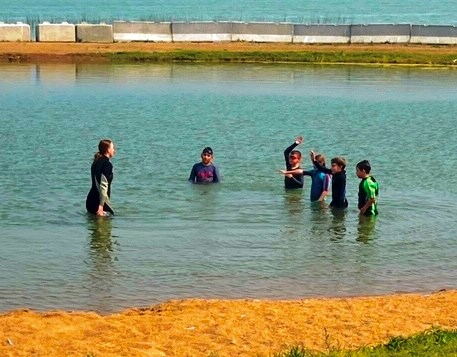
(293, 159)
(338, 180)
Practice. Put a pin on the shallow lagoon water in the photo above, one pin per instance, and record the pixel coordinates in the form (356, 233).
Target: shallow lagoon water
(244, 238)
(311, 11)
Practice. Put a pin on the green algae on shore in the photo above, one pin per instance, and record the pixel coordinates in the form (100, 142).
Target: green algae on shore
(315, 57)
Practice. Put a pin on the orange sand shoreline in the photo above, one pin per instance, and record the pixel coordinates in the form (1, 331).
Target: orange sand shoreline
(198, 327)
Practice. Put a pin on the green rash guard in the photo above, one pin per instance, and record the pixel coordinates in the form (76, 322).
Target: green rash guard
(369, 189)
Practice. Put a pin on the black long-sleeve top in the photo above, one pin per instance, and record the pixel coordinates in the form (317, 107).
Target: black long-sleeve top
(100, 192)
(296, 181)
(338, 186)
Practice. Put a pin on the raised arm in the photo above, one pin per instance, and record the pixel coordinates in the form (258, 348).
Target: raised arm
(298, 141)
(318, 166)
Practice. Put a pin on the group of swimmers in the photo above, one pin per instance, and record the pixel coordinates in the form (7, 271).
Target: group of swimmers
(98, 199)
(321, 176)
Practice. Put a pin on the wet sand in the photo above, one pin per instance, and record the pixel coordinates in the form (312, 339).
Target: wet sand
(227, 327)
(93, 52)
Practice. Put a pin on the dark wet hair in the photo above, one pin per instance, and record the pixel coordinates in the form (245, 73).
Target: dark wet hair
(103, 147)
(364, 165)
(296, 152)
(207, 150)
(340, 161)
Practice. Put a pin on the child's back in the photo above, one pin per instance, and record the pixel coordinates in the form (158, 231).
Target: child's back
(320, 181)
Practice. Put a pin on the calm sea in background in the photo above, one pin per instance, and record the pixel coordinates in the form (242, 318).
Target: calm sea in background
(246, 237)
(299, 11)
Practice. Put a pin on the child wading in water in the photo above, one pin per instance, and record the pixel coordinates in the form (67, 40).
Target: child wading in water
(293, 159)
(338, 179)
(320, 181)
(205, 171)
(368, 190)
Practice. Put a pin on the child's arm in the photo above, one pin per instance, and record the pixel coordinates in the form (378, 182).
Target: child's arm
(291, 172)
(319, 166)
(367, 205)
(216, 175)
(325, 188)
(371, 195)
(298, 141)
(193, 174)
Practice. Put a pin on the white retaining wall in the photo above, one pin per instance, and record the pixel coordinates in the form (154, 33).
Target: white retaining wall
(129, 31)
(63, 32)
(14, 32)
(380, 33)
(94, 33)
(261, 32)
(321, 34)
(209, 31)
(433, 35)
(201, 31)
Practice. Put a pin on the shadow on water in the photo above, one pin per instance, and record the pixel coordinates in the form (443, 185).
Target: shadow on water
(293, 201)
(294, 212)
(366, 228)
(319, 219)
(101, 254)
(337, 227)
(204, 199)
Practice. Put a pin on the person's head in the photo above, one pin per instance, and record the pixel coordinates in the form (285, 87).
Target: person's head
(338, 164)
(363, 169)
(207, 155)
(294, 158)
(320, 159)
(105, 148)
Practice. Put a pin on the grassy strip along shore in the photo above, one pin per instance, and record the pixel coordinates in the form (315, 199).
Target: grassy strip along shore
(430, 343)
(233, 52)
(285, 57)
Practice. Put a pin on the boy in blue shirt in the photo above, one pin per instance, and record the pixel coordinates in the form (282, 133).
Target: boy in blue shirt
(320, 181)
(205, 171)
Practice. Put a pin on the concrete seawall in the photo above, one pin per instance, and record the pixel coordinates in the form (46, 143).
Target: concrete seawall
(130, 31)
(433, 35)
(380, 33)
(63, 32)
(321, 34)
(101, 33)
(201, 31)
(210, 31)
(14, 32)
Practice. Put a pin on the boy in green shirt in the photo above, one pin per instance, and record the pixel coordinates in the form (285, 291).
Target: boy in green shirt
(368, 190)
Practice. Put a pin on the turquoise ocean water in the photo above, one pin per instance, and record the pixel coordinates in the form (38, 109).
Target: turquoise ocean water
(244, 238)
(314, 11)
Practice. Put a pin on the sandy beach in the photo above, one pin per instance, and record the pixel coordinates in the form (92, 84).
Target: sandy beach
(227, 327)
